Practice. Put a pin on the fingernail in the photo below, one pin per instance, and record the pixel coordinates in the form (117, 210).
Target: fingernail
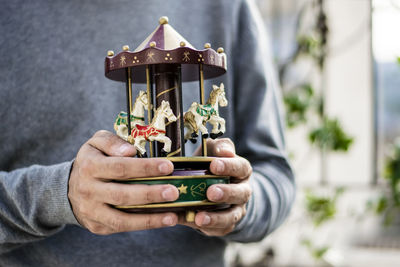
(206, 220)
(217, 150)
(124, 148)
(167, 220)
(163, 168)
(218, 194)
(168, 194)
(220, 166)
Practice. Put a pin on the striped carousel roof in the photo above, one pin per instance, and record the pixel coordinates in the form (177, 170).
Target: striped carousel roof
(165, 46)
(165, 37)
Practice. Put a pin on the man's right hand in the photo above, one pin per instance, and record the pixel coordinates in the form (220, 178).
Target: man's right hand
(106, 157)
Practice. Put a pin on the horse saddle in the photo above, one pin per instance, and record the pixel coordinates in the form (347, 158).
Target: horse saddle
(142, 127)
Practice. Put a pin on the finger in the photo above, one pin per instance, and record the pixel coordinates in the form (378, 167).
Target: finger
(135, 194)
(223, 147)
(95, 164)
(220, 219)
(125, 168)
(111, 144)
(219, 225)
(237, 167)
(120, 221)
(230, 193)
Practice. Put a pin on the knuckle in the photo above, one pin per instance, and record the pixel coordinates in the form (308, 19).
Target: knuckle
(227, 141)
(83, 212)
(147, 167)
(84, 191)
(250, 169)
(117, 225)
(231, 195)
(118, 169)
(235, 168)
(247, 193)
(101, 133)
(86, 168)
(236, 217)
(118, 197)
(103, 137)
(150, 168)
(149, 196)
(96, 229)
(247, 167)
(149, 222)
(244, 210)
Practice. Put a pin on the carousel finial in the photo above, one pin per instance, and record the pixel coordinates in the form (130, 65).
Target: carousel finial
(163, 20)
(152, 44)
(125, 48)
(182, 43)
(220, 50)
(207, 45)
(110, 53)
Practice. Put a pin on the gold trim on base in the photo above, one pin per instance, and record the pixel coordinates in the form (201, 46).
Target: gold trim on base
(177, 177)
(171, 205)
(191, 159)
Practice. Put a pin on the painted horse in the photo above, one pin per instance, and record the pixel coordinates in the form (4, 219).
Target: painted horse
(198, 115)
(155, 131)
(137, 116)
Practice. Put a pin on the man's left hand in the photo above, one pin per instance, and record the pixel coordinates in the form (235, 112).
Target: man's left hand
(237, 193)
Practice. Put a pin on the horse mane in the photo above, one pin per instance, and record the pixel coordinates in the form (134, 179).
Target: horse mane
(213, 96)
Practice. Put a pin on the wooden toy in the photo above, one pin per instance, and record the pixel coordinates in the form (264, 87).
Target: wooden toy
(163, 62)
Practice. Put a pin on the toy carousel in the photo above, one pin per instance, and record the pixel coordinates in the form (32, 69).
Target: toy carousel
(163, 62)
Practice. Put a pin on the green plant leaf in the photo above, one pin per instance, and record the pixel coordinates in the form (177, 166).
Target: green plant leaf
(316, 252)
(331, 136)
(298, 102)
(321, 209)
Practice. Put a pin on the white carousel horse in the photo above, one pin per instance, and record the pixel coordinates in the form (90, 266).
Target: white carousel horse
(198, 115)
(155, 131)
(137, 116)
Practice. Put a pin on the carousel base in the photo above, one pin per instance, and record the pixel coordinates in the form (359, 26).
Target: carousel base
(192, 177)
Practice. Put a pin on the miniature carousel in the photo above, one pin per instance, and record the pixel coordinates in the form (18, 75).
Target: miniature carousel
(163, 62)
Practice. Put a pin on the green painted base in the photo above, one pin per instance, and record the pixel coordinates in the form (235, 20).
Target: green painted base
(192, 178)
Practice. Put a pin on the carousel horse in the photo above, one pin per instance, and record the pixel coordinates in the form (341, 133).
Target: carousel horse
(198, 115)
(137, 116)
(155, 131)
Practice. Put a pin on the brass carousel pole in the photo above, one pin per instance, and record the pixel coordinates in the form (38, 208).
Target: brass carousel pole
(202, 101)
(128, 94)
(129, 98)
(181, 110)
(149, 101)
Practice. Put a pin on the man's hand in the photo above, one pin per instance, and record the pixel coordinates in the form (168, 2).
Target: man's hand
(107, 157)
(220, 223)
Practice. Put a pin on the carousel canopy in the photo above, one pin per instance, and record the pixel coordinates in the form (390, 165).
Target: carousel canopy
(165, 46)
(164, 37)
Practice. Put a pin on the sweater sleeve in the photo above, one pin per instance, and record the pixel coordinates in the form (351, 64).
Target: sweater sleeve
(259, 134)
(33, 204)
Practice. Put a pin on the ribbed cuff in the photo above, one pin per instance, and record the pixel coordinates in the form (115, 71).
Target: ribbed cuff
(59, 208)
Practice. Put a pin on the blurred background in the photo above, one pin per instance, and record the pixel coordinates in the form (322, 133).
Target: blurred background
(339, 66)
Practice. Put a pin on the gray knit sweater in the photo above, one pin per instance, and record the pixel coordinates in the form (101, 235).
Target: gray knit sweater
(54, 96)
